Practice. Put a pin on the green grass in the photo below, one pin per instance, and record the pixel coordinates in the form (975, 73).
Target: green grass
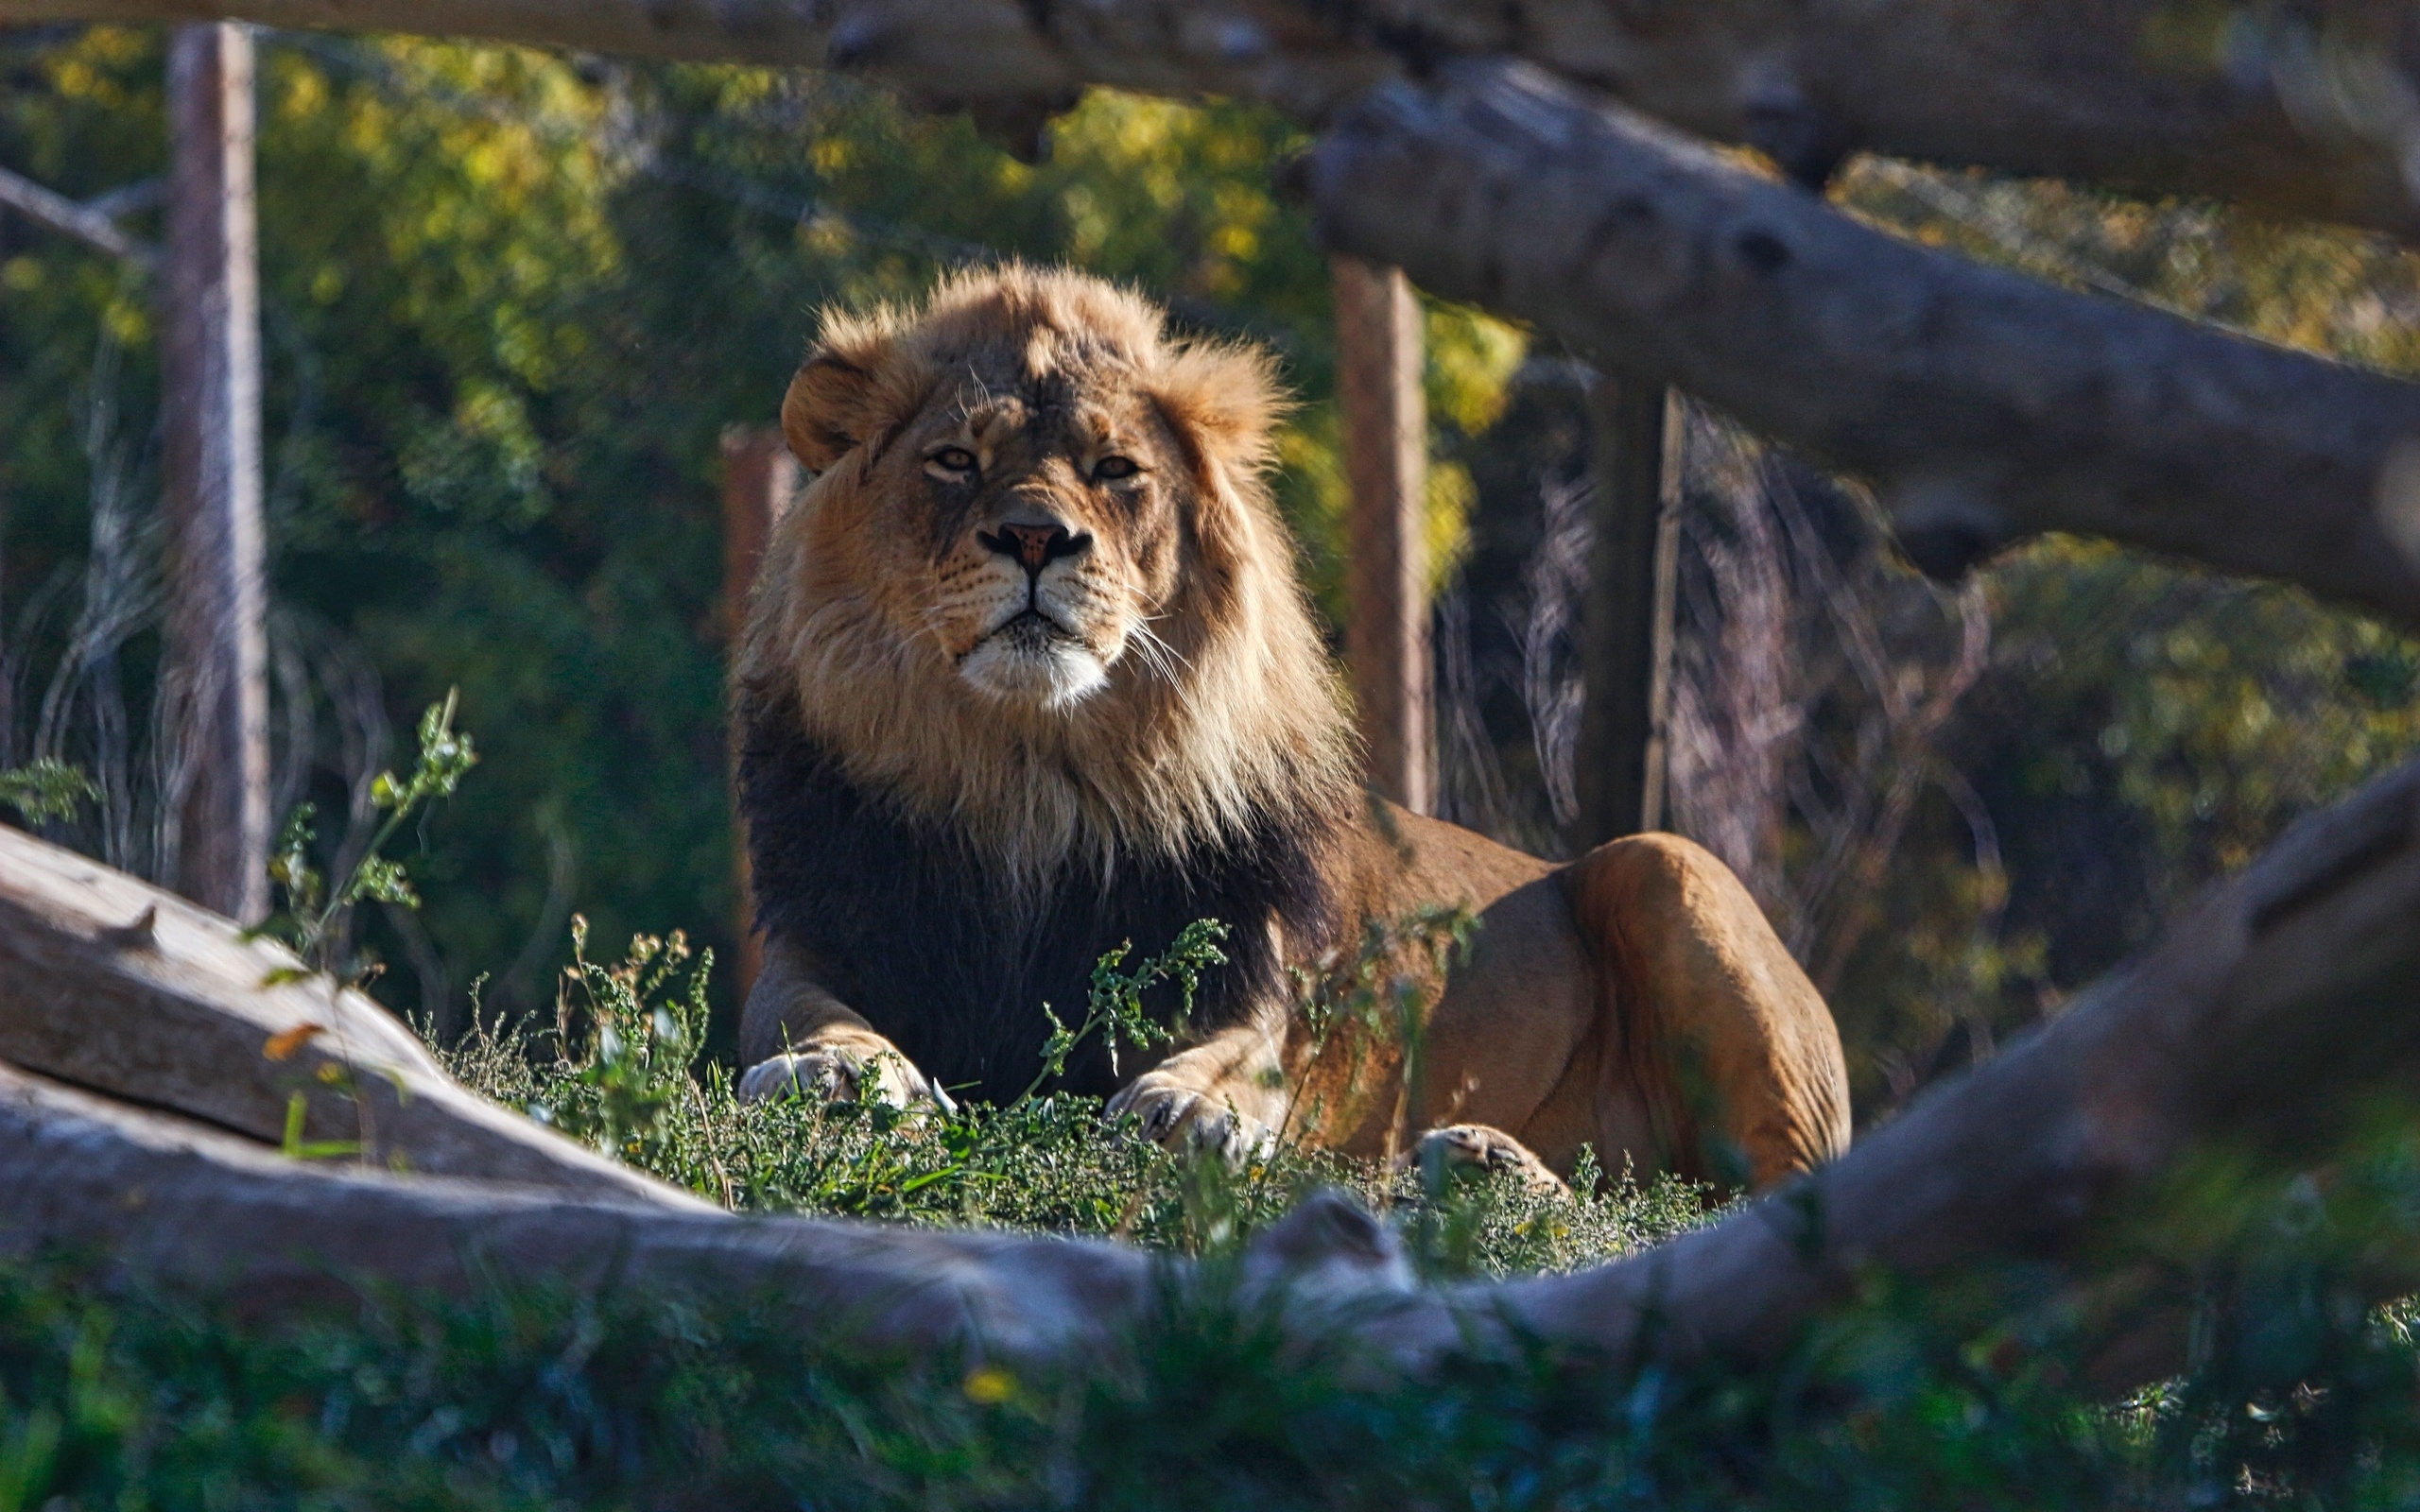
(1962, 1394)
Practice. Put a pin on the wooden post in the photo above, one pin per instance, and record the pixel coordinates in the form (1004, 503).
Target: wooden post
(1386, 458)
(759, 479)
(211, 381)
(1626, 655)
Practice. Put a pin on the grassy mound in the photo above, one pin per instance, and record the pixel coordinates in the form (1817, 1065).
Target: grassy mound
(1966, 1394)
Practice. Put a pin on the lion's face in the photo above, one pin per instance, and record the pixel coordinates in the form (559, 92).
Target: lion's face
(1038, 585)
(1030, 528)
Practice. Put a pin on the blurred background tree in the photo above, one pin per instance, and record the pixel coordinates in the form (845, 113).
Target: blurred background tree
(512, 300)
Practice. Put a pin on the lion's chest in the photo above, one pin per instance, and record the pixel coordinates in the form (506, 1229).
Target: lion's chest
(914, 929)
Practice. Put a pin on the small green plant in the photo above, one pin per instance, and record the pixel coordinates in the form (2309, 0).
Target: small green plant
(313, 919)
(645, 1024)
(46, 791)
(1113, 1007)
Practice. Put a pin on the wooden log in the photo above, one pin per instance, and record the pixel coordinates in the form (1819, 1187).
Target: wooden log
(116, 985)
(1385, 416)
(2298, 110)
(1626, 619)
(157, 1198)
(1985, 406)
(210, 371)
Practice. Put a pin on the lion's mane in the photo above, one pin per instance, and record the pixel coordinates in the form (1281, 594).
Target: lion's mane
(949, 862)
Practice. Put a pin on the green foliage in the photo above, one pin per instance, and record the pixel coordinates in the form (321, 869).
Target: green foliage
(646, 1025)
(45, 790)
(1967, 1392)
(312, 921)
(1113, 1007)
(621, 1071)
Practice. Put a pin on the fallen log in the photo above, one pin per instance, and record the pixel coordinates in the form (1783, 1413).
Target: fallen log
(114, 984)
(2303, 112)
(162, 1199)
(1985, 406)
(2281, 995)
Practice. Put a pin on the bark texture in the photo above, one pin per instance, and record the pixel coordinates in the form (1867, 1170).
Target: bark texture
(2303, 109)
(1984, 406)
(118, 987)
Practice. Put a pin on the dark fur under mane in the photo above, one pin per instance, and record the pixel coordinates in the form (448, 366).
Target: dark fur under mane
(908, 925)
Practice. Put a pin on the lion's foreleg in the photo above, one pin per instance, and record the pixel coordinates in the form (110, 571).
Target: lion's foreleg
(795, 1036)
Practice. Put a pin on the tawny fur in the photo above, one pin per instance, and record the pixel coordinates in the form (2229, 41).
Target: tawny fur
(1032, 644)
(1246, 720)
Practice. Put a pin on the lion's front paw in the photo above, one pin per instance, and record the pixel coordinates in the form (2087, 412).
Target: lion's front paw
(1477, 1146)
(841, 1072)
(1175, 1115)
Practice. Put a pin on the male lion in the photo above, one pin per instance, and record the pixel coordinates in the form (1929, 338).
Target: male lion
(1028, 675)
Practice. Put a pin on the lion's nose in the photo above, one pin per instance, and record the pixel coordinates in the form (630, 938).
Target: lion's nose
(1035, 545)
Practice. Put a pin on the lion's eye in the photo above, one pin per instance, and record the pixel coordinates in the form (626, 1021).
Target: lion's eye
(1110, 468)
(955, 458)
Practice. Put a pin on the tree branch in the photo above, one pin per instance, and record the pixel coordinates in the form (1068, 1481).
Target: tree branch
(2305, 113)
(88, 224)
(114, 984)
(1984, 404)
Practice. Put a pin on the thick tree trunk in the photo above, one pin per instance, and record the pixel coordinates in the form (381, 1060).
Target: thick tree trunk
(210, 373)
(2302, 111)
(1984, 406)
(117, 987)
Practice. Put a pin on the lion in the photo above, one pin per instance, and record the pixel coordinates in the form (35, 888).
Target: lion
(1028, 675)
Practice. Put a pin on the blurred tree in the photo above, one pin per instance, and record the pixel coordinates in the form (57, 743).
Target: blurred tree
(512, 300)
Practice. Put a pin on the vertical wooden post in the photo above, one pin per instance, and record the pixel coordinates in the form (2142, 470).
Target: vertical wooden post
(1386, 458)
(211, 377)
(759, 479)
(1626, 654)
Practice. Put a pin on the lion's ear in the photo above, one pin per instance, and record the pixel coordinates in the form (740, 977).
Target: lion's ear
(1224, 401)
(824, 414)
(836, 401)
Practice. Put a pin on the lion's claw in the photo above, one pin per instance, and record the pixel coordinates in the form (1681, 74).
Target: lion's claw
(1178, 1116)
(839, 1076)
(1477, 1146)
